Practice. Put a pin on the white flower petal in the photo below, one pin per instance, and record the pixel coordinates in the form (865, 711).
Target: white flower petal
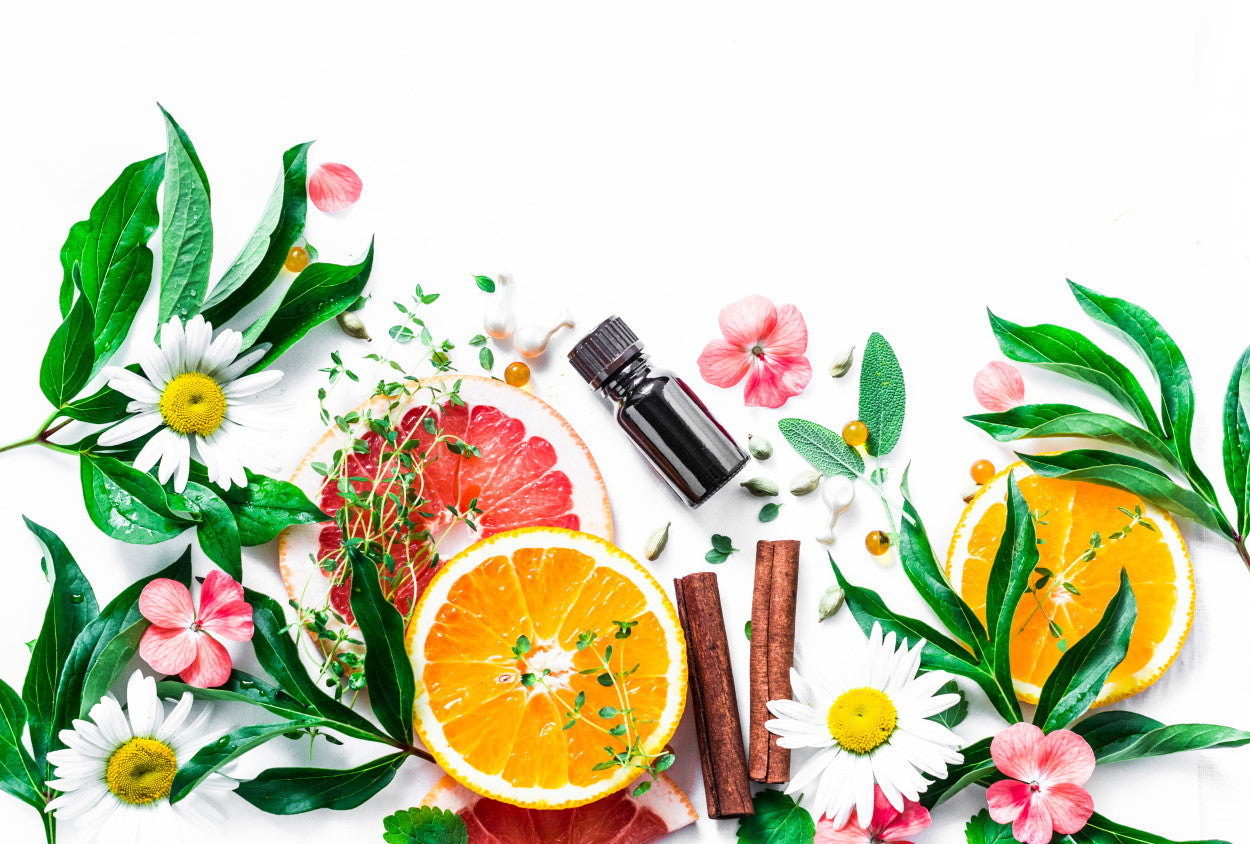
(155, 366)
(131, 384)
(182, 471)
(131, 429)
(155, 449)
(173, 346)
(107, 714)
(250, 385)
(224, 349)
(199, 334)
(243, 364)
(144, 707)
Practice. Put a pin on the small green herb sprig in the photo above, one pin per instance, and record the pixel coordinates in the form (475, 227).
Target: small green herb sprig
(722, 548)
(424, 825)
(1169, 475)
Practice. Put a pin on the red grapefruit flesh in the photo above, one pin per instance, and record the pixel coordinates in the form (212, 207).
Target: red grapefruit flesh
(616, 819)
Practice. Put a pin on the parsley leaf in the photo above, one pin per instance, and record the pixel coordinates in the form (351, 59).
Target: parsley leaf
(777, 820)
(425, 825)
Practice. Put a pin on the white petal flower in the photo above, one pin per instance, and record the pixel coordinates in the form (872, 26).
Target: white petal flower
(870, 729)
(116, 769)
(194, 394)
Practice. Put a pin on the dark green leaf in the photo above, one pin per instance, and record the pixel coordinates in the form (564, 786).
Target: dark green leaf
(778, 819)
(66, 365)
(824, 449)
(319, 293)
(484, 283)
(955, 715)
(1069, 353)
(1120, 736)
(216, 530)
(388, 669)
(723, 543)
(1099, 830)
(977, 764)
(128, 504)
(71, 607)
(882, 395)
(1014, 562)
(101, 407)
(1078, 677)
(290, 791)
(1131, 475)
(1237, 440)
(262, 257)
(210, 758)
(486, 358)
(19, 775)
(110, 250)
(425, 825)
(186, 228)
(982, 829)
(266, 506)
(769, 512)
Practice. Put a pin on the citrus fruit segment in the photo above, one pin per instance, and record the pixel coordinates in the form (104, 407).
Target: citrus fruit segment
(550, 668)
(1086, 534)
(532, 469)
(616, 819)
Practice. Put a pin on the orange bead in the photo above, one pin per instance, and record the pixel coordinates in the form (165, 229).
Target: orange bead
(877, 543)
(982, 471)
(296, 259)
(517, 374)
(855, 433)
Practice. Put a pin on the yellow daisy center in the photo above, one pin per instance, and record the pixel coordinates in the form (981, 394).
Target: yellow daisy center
(141, 771)
(193, 403)
(861, 720)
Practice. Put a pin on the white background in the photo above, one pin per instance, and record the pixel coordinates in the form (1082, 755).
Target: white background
(893, 167)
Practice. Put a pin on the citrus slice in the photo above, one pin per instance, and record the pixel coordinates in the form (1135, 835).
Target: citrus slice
(540, 655)
(1087, 534)
(616, 819)
(533, 469)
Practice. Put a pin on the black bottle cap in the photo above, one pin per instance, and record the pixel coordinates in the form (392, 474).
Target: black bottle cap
(602, 352)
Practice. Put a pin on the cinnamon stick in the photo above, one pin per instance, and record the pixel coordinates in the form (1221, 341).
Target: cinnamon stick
(717, 724)
(772, 651)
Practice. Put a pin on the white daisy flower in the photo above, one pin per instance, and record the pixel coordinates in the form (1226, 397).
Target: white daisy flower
(195, 394)
(870, 729)
(116, 769)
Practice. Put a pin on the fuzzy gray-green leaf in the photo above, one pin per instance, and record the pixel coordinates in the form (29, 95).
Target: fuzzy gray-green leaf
(882, 395)
(824, 449)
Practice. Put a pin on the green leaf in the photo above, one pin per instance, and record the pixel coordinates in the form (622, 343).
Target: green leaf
(319, 293)
(19, 775)
(216, 530)
(982, 829)
(953, 716)
(101, 407)
(262, 257)
(1069, 353)
(778, 819)
(128, 504)
(66, 366)
(71, 607)
(110, 250)
(882, 395)
(825, 450)
(1237, 440)
(1100, 830)
(266, 506)
(484, 283)
(769, 512)
(186, 228)
(1131, 475)
(1120, 736)
(425, 825)
(486, 358)
(213, 756)
(1082, 669)
(291, 791)
(387, 668)
(1034, 421)
(977, 764)
(1014, 562)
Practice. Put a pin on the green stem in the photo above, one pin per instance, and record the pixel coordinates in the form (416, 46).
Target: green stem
(49, 826)
(41, 436)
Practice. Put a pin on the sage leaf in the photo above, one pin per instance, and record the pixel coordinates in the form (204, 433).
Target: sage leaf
(1237, 440)
(266, 506)
(824, 449)
(778, 819)
(1083, 668)
(882, 395)
(216, 530)
(186, 228)
(977, 764)
(19, 776)
(127, 504)
(1100, 830)
(1120, 736)
(1014, 562)
(67, 362)
(215, 755)
(262, 257)
(387, 668)
(292, 791)
(982, 829)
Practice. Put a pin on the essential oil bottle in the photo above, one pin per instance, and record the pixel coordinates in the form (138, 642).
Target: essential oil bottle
(663, 416)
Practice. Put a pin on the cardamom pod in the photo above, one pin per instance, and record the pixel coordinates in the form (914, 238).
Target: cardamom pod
(353, 326)
(805, 482)
(762, 487)
(656, 541)
(760, 448)
(831, 601)
(842, 363)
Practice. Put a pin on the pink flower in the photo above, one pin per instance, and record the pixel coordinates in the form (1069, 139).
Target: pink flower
(999, 387)
(763, 342)
(334, 187)
(889, 825)
(1044, 794)
(182, 641)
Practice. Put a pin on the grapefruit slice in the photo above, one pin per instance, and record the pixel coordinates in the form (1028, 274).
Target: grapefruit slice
(550, 667)
(1083, 545)
(533, 469)
(616, 819)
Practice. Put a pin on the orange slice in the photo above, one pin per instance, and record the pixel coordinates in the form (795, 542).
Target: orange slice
(1070, 518)
(500, 712)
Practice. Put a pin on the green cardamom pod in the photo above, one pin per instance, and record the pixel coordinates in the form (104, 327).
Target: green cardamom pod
(762, 487)
(656, 541)
(831, 601)
(760, 448)
(353, 326)
(805, 482)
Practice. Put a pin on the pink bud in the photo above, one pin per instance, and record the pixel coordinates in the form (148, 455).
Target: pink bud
(999, 387)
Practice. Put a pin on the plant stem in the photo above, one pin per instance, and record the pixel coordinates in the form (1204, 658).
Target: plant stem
(39, 437)
(49, 826)
(1240, 544)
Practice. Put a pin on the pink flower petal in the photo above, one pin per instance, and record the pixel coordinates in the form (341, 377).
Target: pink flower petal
(1065, 757)
(1034, 825)
(849, 833)
(1008, 799)
(999, 387)
(789, 337)
(748, 321)
(223, 611)
(913, 819)
(211, 666)
(1070, 807)
(334, 187)
(723, 364)
(169, 650)
(167, 603)
(771, 383)
(1015, 751)
(233, 622)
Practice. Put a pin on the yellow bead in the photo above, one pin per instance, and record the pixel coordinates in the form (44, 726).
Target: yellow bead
(296, 259)
(855, 433)
(982, 471)
(877, 543)
(517, 374)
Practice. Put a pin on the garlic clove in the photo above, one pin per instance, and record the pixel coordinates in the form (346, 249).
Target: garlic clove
(498, 322)
(531, 340)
